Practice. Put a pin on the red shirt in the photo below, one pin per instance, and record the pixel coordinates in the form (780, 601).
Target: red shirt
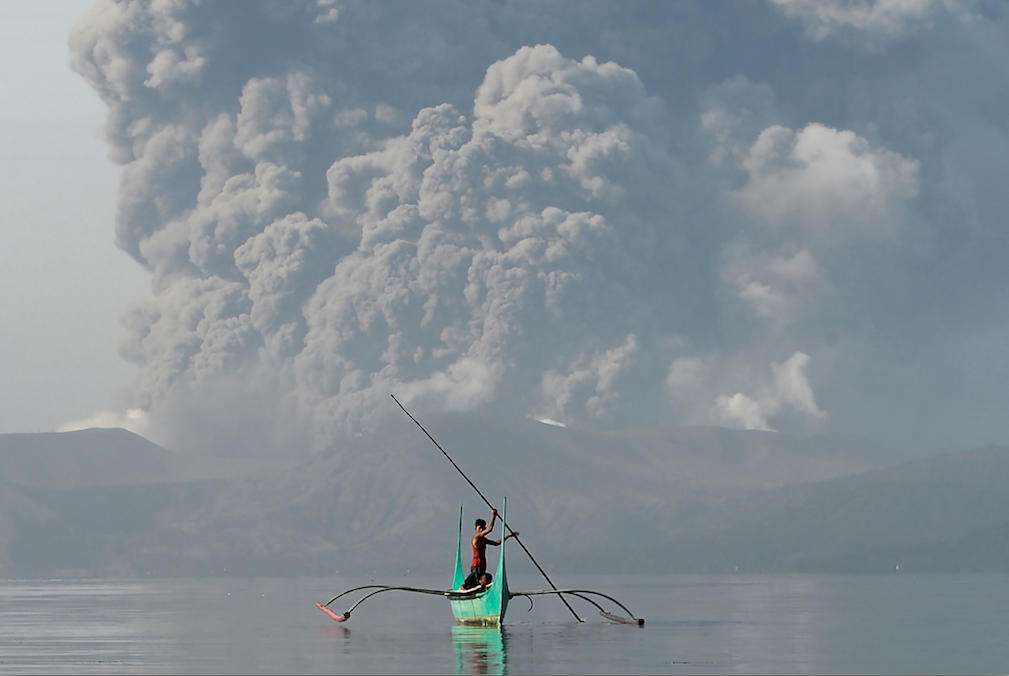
(479, 545)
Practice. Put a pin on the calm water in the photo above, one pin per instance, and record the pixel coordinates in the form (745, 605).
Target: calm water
(897, 623)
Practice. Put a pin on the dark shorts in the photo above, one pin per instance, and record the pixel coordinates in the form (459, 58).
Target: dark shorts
(474, 577)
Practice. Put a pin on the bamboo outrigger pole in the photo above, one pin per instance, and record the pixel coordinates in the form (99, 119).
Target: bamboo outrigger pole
(488, 503)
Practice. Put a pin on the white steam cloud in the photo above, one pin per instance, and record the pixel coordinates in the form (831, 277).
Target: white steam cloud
(821, 177)
(698, 387)
(133, 419)
(875, 18)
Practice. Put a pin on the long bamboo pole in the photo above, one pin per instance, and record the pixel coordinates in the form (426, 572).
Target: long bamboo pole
(488, 503)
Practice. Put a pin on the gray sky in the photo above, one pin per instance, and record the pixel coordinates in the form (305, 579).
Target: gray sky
(63, 283)
(779, 215)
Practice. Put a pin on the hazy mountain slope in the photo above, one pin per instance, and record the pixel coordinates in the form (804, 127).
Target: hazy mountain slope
(583, 500)
(103, 530)
(102, 502)
(946, 513)
(94, 457)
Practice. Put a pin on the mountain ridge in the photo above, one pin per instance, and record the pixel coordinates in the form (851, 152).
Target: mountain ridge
(687, 500)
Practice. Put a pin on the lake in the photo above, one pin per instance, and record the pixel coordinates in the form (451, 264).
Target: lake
(896, 623)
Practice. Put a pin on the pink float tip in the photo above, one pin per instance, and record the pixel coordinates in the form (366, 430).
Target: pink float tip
(330, 614)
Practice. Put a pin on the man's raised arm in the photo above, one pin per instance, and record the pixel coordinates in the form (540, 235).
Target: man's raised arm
(498, 542)
(493, 520)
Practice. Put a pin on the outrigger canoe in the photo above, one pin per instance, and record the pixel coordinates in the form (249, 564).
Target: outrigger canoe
(486, 607)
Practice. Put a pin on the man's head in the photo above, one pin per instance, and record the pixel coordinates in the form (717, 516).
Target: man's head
(480, 523)
(486, 579)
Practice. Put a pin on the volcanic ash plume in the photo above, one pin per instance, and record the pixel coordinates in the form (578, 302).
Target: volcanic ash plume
(491, 255)
(339, 201)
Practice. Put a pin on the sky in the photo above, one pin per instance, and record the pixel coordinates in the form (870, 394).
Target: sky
(783, 215)
(63, 283)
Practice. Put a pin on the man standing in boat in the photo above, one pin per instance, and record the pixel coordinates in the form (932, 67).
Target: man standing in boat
(479, 542)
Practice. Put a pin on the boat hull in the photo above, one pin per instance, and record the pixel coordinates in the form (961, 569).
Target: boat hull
(487, 609)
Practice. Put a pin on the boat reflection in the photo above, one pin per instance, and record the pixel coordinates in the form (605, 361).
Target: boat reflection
(480, 650)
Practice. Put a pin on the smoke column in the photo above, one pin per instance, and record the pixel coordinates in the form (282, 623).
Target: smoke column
(475, 205)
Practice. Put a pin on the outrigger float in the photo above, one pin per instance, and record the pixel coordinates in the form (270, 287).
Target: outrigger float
(485, 607)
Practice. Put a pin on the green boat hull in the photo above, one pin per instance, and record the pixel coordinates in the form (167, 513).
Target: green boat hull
(488, 608)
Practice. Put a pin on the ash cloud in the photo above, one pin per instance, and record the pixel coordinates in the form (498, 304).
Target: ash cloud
(478, 205)
(873, 20)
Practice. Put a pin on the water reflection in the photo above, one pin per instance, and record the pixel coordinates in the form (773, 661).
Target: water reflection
(696, 624)
(480, 650)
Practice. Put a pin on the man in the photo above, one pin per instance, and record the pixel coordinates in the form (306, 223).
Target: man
(479, 542)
